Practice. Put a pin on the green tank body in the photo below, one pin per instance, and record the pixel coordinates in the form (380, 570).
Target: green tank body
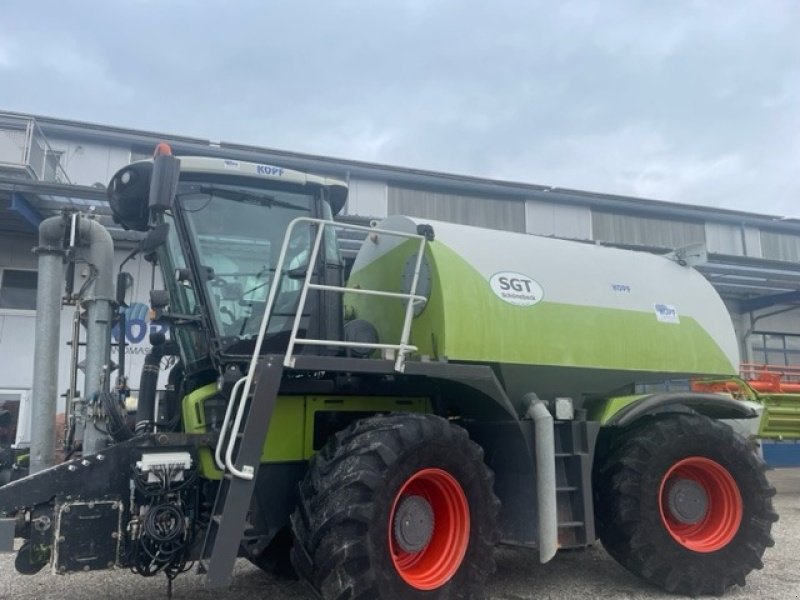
(557, 317)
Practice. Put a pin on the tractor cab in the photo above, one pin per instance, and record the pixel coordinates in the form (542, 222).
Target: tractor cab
(224, 223)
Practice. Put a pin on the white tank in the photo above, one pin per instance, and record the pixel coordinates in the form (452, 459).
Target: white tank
(554, 316)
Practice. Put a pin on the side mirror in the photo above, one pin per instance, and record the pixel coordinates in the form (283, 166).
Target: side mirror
(159, 299)
(124, 283)
(154, 238)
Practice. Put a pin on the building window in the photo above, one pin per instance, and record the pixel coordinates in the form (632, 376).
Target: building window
(15, 418)
(493, 213)
(18, 289)
(775, 349)
(645, 231)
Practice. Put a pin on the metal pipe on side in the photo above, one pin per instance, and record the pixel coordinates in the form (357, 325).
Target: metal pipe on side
(98, 298)
(44, 399)
(545, 476)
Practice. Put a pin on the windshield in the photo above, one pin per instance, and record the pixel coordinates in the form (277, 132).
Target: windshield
(236, 233)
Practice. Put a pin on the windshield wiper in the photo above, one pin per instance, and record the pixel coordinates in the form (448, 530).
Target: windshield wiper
(242, 196)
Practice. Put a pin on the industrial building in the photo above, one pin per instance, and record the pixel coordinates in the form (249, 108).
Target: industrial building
(49, 164)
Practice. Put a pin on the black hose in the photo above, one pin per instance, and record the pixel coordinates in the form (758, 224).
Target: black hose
(121, 343)
(164, 523)
(117, 423)
(146, 407)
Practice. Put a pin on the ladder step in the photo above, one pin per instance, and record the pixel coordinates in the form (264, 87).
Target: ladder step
(563, 455)
(570, 524)
(568, 488)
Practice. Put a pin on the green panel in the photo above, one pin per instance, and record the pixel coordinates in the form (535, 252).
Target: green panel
(284, 439)
(387, 314)
(465, 321)
(285, 435)
(208, 467)
(603, 410)
(194, 419)
(781, 419)
(290, 436)
(315, 404)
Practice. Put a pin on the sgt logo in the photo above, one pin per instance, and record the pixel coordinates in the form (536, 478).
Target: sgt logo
(516, 288)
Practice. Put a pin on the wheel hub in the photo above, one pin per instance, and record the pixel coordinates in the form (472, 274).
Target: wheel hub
(413, 523)
(687, 501)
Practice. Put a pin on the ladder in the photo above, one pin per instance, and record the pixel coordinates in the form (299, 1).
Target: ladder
(242, 437)
(232, 504)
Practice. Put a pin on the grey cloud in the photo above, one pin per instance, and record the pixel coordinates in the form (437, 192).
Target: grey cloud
(688, 101)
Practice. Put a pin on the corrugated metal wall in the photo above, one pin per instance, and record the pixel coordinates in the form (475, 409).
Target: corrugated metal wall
(559, 220)
(780, 246)
(493, 213)
(645, 231)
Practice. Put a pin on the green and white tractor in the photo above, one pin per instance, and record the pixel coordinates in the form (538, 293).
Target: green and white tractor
(378, 428)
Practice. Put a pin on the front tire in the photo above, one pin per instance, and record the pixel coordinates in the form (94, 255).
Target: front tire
(683, 502)
(397, 506)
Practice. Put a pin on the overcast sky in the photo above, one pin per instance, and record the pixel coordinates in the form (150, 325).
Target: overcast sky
(694, 102)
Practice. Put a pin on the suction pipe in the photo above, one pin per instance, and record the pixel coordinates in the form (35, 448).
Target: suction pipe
(545, 476)
(44, 396)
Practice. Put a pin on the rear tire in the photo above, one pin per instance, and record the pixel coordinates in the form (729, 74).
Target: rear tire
(683, 503)
(350, 542)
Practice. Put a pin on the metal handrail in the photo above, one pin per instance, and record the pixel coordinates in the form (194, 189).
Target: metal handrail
(753, 370)
(246, 472)
(225, 422)
(33, 134)
(403, 347)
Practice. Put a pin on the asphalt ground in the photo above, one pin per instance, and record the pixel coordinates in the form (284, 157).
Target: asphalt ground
(588, 573)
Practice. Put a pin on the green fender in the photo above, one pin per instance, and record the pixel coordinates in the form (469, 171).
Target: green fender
(622, 411)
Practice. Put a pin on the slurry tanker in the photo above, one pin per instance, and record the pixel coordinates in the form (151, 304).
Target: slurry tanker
(378, 432)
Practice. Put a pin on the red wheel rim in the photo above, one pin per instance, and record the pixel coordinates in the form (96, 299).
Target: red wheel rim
(436, 563)
(723, 514)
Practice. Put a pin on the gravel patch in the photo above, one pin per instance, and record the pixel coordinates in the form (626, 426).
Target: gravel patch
(582, 574)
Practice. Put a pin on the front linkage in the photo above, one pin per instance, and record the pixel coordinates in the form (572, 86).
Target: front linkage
(135, 505)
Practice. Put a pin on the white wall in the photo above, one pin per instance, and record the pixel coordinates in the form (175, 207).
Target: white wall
(367, 198)
(16, 326)
(752, 242)
(86, 163)
(722, 238)
(560, 220)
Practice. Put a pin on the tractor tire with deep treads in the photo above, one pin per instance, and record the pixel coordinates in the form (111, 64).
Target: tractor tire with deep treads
(683, 502)
(397, 506)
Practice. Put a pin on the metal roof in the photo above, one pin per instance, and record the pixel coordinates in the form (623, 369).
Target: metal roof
(347, 168)
(754, 282)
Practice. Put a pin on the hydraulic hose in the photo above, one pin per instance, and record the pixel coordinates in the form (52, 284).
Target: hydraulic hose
(146, 407)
